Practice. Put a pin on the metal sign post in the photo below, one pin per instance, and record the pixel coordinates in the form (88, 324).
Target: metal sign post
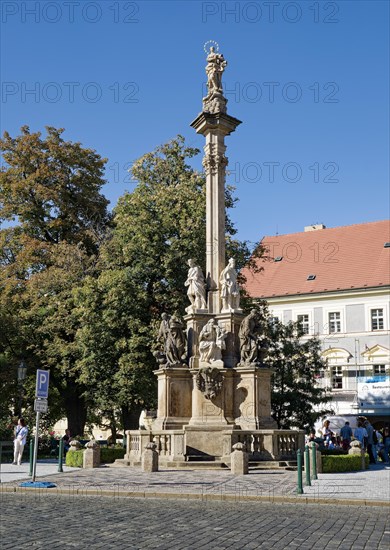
(40, 405)
(35, 447)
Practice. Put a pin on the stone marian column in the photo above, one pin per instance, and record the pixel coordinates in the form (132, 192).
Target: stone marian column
(214, 123)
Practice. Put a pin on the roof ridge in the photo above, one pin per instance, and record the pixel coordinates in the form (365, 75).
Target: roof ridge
(326, 229)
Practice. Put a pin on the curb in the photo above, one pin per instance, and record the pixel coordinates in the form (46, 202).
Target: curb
(299, 499)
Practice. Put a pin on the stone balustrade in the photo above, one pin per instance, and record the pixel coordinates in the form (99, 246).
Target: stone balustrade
(260, 444)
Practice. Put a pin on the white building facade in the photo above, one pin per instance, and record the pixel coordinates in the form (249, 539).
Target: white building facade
(344, 303)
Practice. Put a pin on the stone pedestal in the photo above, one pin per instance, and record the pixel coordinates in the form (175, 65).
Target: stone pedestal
(217, 411)
(230, 322)
(91, 456)
(211, 442)
(74, 445)
(356, 449)
(195, 323)
(239, 460)
(149, 461)
(252, 408)
(174, 398)
(319, 462)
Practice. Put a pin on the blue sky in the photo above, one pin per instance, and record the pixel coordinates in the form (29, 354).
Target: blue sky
(309, 81)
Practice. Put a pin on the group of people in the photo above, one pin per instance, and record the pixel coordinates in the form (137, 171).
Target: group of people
(375, 442)
(20, 439)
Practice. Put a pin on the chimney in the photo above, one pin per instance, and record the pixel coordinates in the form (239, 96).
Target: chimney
(315, 227)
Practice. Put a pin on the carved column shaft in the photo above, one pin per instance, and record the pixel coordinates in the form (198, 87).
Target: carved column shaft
(215, 163)
(215, 126)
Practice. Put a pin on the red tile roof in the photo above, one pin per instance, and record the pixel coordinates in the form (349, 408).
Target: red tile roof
(341, 258)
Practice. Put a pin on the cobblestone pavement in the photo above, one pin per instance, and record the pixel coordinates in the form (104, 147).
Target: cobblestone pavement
(369, 486)
(97, 522)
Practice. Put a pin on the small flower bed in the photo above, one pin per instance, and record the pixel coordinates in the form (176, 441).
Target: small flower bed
(108, 455)
(342, 463)
(74, 458)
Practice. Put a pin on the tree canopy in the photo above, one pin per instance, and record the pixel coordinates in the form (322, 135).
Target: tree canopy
(50, 192)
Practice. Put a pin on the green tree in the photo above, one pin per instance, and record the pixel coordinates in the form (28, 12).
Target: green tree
(296, 399)
(50, 193)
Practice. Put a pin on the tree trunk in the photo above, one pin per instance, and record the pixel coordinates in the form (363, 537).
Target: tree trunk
(130, 417)
(76, 413)
(113, 427)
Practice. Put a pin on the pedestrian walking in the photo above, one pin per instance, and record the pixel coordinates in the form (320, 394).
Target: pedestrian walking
(327, 433)
(21, 432)
(370, 441)
(361, 434)
(346, 436)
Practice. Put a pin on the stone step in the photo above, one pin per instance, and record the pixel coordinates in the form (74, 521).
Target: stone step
(212, 464)
(270, 465)
(201, 458)
(196, 465)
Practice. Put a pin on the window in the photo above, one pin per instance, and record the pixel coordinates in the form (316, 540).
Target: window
(303, 321)
(337, 378)
(377, 319)
(334, 322)
(380, 370)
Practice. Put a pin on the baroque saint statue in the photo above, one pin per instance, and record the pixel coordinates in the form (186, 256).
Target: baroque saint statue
(172, 342)
(252, 342)
(216, 64)
(196, 287)
(211, 342)
(230, 291)
(215, 102)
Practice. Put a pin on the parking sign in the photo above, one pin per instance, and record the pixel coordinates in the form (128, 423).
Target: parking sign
(42, 386)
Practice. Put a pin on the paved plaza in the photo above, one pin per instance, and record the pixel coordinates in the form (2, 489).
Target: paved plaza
(367, 487)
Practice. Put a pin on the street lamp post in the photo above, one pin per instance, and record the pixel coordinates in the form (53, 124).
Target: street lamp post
(22, 372)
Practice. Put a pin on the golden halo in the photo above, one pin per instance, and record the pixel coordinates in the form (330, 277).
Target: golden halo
(212, 43)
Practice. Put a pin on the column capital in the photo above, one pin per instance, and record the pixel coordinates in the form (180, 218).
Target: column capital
(221, 123)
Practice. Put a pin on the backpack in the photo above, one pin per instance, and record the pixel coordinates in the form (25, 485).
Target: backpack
(375, 438)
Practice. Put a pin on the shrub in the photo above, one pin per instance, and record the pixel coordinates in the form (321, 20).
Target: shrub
(332, 452)
(110, 454)
(342, 463)
(74, 458)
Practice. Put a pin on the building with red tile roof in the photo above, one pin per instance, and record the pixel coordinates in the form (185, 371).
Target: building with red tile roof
(339, 258)
(336, 282)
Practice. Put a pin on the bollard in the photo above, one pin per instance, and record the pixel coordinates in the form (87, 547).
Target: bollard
(149, 458)
(239, 460)
(60, 455)
(307, 466)
(91, 455)
(299, 463)
(314, 459)
(31, 456)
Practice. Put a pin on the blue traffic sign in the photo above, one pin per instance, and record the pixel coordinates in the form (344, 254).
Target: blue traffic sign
(42, 387)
